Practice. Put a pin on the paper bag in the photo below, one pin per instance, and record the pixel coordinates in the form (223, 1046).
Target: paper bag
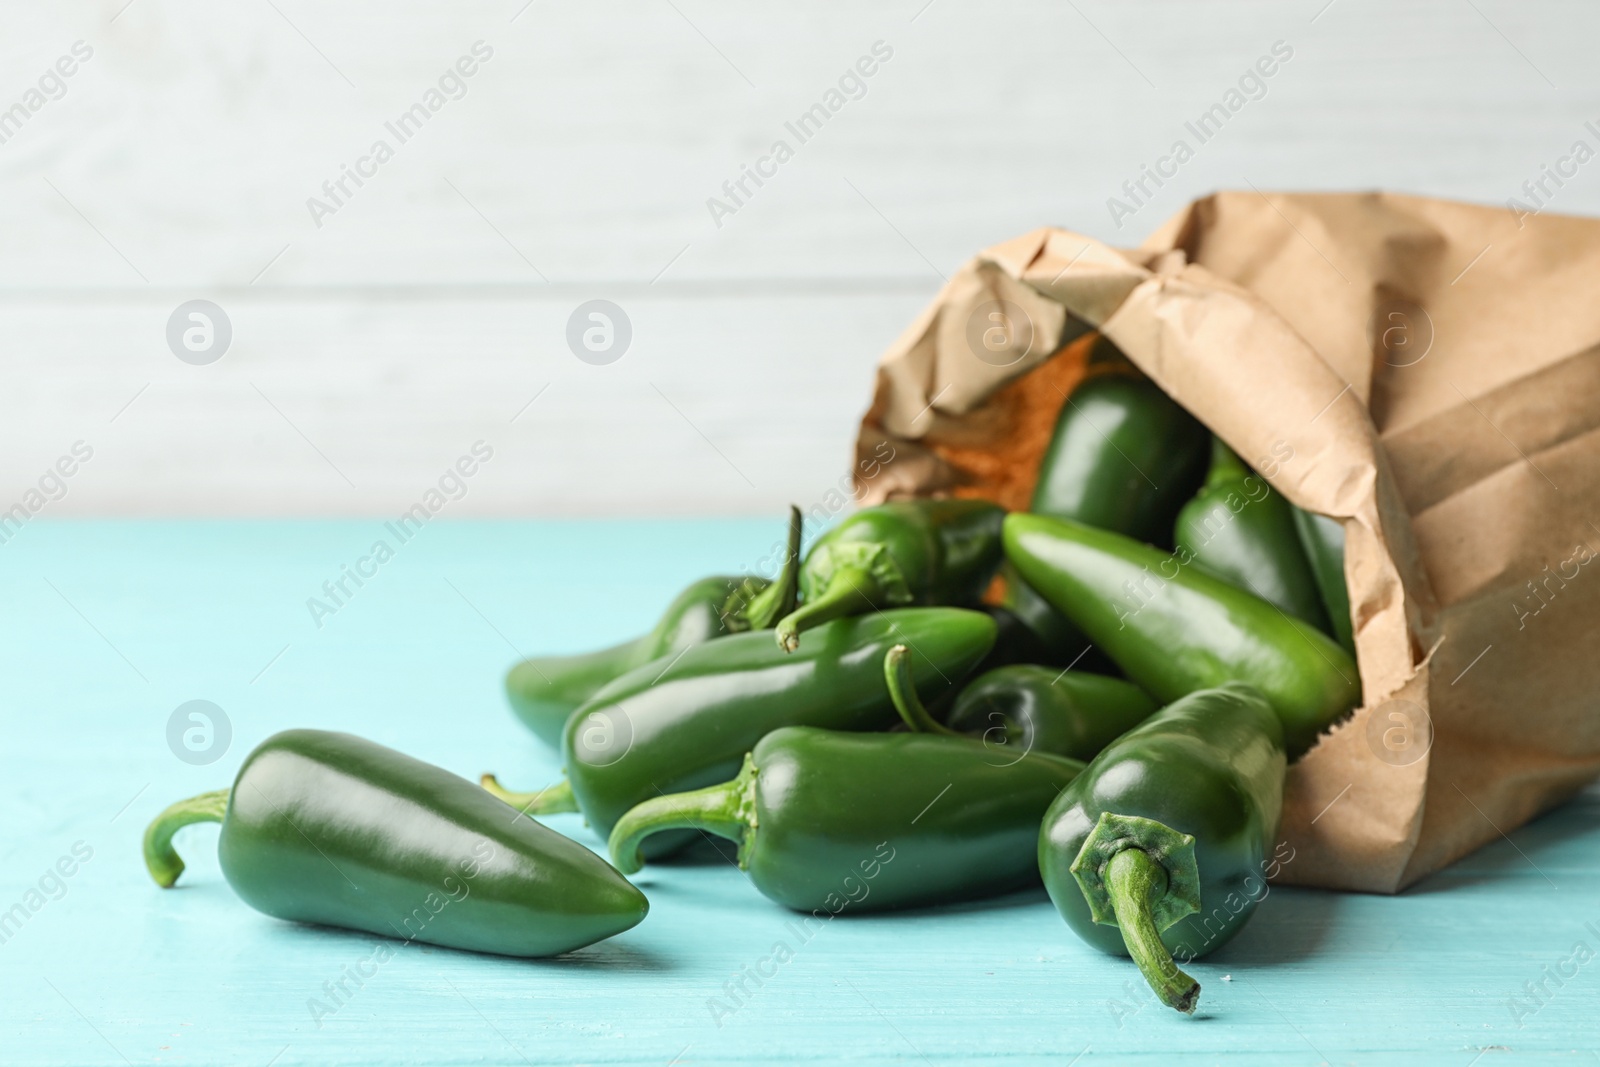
(1426, 371)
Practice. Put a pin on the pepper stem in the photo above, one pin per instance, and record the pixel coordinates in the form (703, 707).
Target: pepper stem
(763, 610)
(1132, 879)
(850, 591)
(159, 856)
(903, 692)
(726, 809)
(1226, 466)
(552, 800)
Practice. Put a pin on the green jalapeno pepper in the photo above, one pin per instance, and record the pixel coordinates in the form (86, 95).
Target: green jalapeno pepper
(545, 690)
(1028, 708)
(1237, 528)
(1323, 541)
(922, 552)
(676, 725)
(333, 829)
(827, 820)
(1160, 846)
(1174, 629)
(1125, 456)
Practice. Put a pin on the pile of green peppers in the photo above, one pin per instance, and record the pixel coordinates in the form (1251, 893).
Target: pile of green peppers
(937, 702)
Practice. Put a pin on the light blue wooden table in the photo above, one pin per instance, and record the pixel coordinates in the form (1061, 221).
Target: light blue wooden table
(110, 626)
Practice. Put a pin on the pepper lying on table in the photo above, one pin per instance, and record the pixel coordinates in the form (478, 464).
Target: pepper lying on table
(1161, 846)
(332, 829)
(826, 820)
(688, 722)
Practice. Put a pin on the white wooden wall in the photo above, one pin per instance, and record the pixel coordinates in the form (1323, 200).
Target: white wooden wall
(372, 351)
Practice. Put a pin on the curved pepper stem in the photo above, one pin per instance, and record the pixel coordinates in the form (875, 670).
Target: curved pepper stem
(726, 809)
(159, 856)
(552, 800)
(850, 591)
(903, 692)
(763, 610)
(1132, 879)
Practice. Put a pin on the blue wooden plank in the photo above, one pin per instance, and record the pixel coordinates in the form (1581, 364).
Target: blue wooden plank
(110, 625)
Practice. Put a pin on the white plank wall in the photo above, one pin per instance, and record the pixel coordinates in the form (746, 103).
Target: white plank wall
(372, 350)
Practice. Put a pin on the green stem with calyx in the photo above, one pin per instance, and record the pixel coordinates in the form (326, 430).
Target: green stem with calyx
(727, 809)
(903, 692)
(1133, 879)
(552, 800)
(850, 591)
(159, 856)
(763, 610)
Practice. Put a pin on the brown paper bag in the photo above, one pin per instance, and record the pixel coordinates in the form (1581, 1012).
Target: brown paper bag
(1426, 371)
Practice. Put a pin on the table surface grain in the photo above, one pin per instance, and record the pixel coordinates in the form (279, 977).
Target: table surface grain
(111, 625)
